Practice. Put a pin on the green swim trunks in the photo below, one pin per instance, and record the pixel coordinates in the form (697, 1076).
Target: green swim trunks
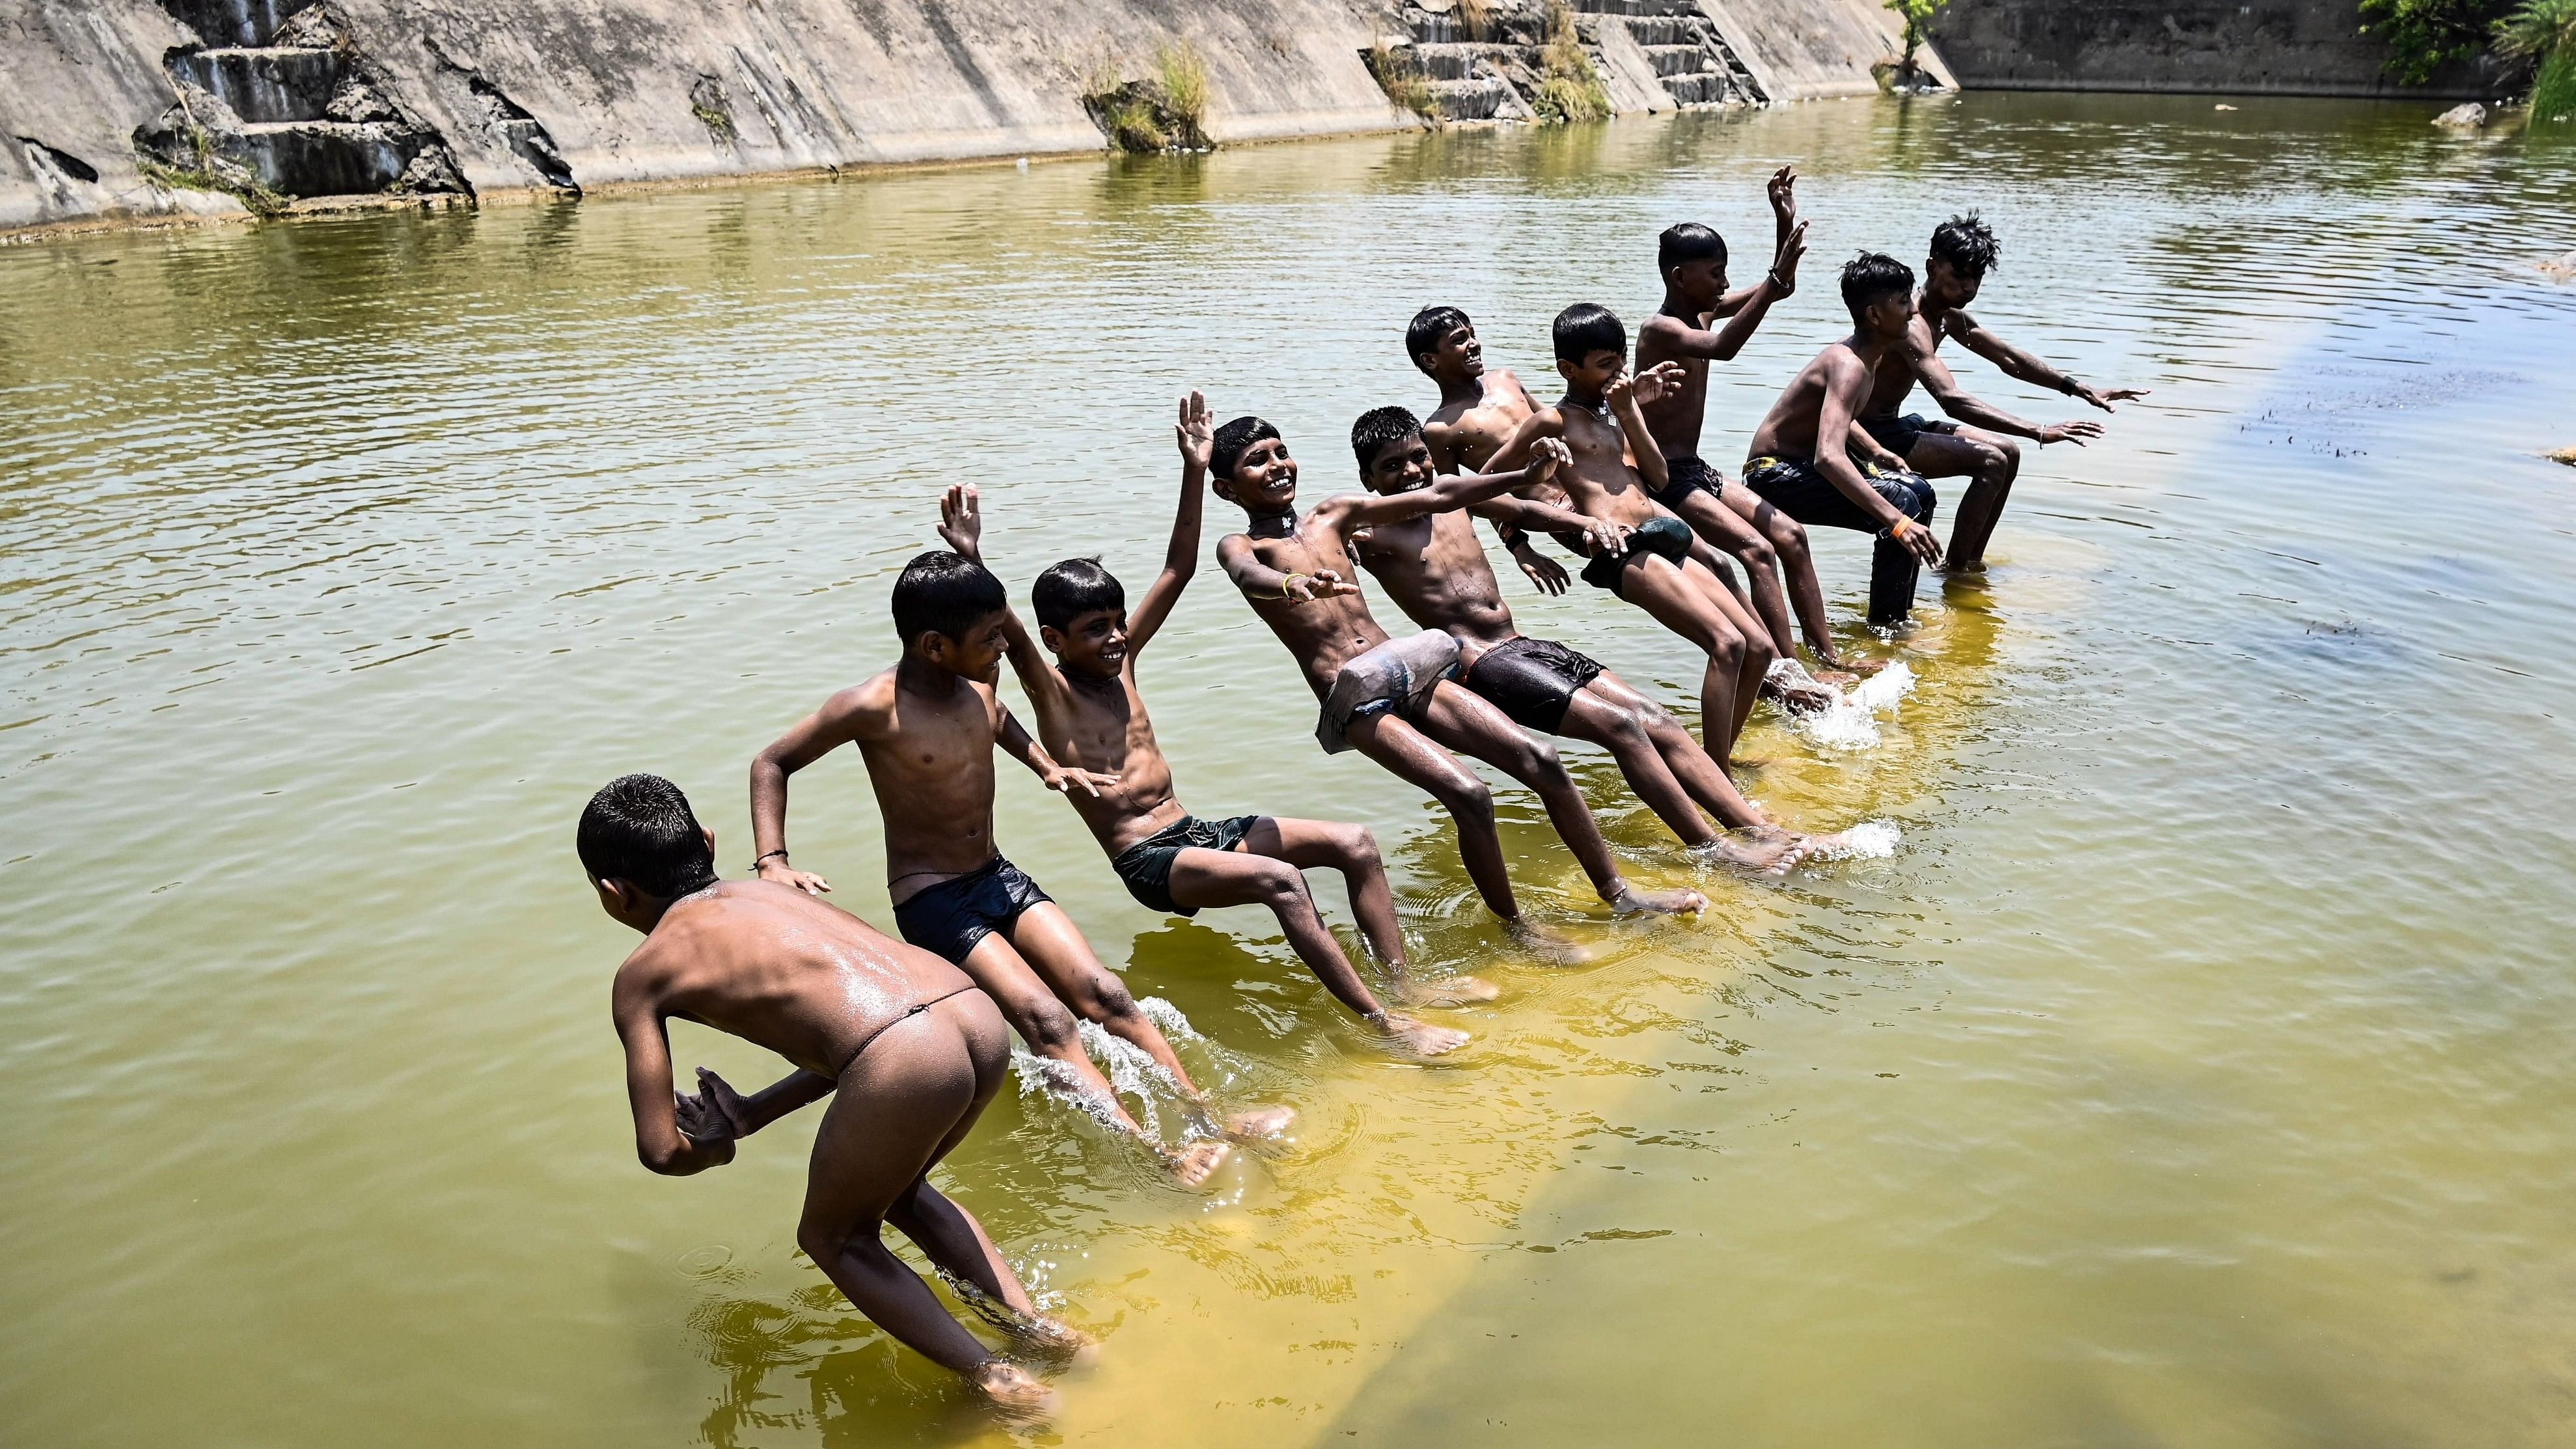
(1146, 866)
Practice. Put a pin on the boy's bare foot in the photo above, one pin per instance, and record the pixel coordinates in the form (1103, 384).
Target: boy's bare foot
(1803, 695)
(1190, 1166)
(1556, 948)
(1764, 850)
(1013, 1391)
(1444, 991)
(1631, 901)
(1260, 1124)
(1419, 1038)
(1052, 1337)
(1835, 664)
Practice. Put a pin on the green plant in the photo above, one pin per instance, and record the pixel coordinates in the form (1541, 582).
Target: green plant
(1917, 15)
(1183, 72)
(1402, 80)
(2545, 30)
(1163, 113)
(1569, 89)
(258, 200)
(2425, 35)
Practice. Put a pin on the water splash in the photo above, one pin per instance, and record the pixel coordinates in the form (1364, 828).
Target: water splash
(1851, 721)
(1133, 1075)
(1869, 840)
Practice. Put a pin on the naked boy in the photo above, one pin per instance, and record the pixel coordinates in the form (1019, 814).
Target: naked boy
(1614, 471)
(927, 729)
(904, 1045)
(1091, 714)
(1816, 482)
(1394, 700)
(1435, 570)
(1976, 440)
(1771, 545)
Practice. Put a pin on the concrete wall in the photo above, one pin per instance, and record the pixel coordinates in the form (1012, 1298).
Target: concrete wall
(2278, 47)
(1815, 49)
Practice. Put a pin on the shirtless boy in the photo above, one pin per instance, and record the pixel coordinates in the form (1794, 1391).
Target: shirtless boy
(1478, 411)
(1395, 700)
(1434, 568)
(1816, 482)
(927, 729)
(1770, 544)
(1976, 440)
(904, 1045)
(1614, 472)
(1091, 715)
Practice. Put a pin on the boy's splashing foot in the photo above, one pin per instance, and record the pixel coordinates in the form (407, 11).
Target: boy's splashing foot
(1014, 1392)
(1763, 850)
(1444, 991)
(1191, 1165)
(1418, 1038)
(1631, 901)
(1261, 1124)
(1551, 946)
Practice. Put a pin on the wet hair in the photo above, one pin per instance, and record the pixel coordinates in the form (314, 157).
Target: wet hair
(639, 829)
(1688, 242)
(1427, 328)
(1871, 276)
(943, 593)
(1073, 588)
(1584, 329)
(1233, 438)
(1966, 243)
(1377, 428)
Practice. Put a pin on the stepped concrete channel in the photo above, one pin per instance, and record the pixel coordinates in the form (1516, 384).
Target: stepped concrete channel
(125, 111)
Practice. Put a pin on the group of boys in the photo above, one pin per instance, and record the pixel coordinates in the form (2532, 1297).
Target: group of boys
(909, 1040)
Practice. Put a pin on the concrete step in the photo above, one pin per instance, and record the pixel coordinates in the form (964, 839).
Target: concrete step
(1708, 88)
(1634, 7)
(1448, 60)
(233, 22)
(1475, 100)
(327, 158)
(1669, 29)
(1673, 60)
(264, 83)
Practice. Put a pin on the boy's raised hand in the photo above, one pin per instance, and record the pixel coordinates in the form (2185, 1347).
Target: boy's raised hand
(1649, 385)
(961, 521)
(1196, 431)
(1784, 267)
(1782, 188)
(1549, 454)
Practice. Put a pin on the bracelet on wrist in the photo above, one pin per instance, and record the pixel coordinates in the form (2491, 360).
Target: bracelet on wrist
(759, 861)
(1784, 287)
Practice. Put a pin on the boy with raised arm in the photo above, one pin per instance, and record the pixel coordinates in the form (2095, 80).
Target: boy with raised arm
(927, 729)
(1394, 700)
(1435, 570)
(1479, 409)
(1800, 459)
(1770, 544)
(1979, 444)
(904, 1045)
(1092, 715)
(1614, 471)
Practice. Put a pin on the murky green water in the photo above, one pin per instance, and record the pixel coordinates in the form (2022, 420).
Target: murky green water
(2195, 1073)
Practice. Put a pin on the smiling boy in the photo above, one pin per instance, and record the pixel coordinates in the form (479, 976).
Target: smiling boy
(1614, 471)
(927, 729)
(1091, 714)
(1395, 700)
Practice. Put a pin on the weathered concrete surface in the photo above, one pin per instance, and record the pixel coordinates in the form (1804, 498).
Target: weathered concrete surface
(2277, 47)
(76, 78)
(1815, 49)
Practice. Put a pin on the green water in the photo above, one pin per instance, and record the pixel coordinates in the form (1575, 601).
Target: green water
(2195, 1072)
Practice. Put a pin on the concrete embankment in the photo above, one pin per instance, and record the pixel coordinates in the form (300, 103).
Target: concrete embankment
(135, 109)
(2265, 47)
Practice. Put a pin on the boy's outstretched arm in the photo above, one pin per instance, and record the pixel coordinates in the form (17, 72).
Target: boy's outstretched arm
(1975, 411)
(1016, 742)
(2031, 368)
(961, 527)
(1515, 516)
(1352, 511)
(1782, 190)
(1846, 385)
(747, 1115)
(660, 1142)
(1196, 434)
(1746, 308)
(809, 739)
(1545, 422)
(1258, 580)
(1626, 396)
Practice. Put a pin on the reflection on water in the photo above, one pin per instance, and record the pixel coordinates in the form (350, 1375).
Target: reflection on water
(2189, 1070)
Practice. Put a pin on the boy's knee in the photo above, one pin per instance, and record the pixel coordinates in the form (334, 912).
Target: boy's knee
(824, 1242)
(1109, 999)
(1049, 1026)
(1789, 536)
(1467, 797)
(1282, 886)
(1725, 646)
(1358, 848)
(1538, 760)
(1759, 555)
(2009, 452)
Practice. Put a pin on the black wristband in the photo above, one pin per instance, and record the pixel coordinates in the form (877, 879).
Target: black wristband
(762, 860)
(1512, 535)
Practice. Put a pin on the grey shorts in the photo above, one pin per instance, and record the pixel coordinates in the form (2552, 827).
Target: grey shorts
(1396, 676)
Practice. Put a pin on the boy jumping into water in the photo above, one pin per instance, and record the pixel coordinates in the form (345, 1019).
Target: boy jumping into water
(1615, 470)
(927, 729)
(1394, 700)
(1435, 570)
(1962, 252)
(1800, 459)
(1091, 714)
(904, 1045)
(1770, 544)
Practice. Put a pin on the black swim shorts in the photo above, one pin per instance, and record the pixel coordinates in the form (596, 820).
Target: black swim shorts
(1897, 434)
(953, 917)
(1667, 537)
(1686, 475)
(1531, 680)
(1146, 866)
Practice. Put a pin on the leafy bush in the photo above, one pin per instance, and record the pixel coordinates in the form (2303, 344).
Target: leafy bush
(1403, 81)
(1569, 89)
(2546, 30)
(2425, 35)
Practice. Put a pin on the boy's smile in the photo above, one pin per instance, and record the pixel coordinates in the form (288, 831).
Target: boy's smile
(1264, 478)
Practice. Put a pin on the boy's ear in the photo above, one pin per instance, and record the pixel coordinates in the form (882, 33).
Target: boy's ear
(1052, 637)
(616, 897)
(707, 833)
(1565, 369)
(1224, 488)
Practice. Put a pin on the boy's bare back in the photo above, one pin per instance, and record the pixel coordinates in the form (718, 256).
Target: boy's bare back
(779, 968)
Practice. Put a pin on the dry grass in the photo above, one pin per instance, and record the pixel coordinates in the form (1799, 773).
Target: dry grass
(1569, 88)
(1403, 81)
(1476, 19)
